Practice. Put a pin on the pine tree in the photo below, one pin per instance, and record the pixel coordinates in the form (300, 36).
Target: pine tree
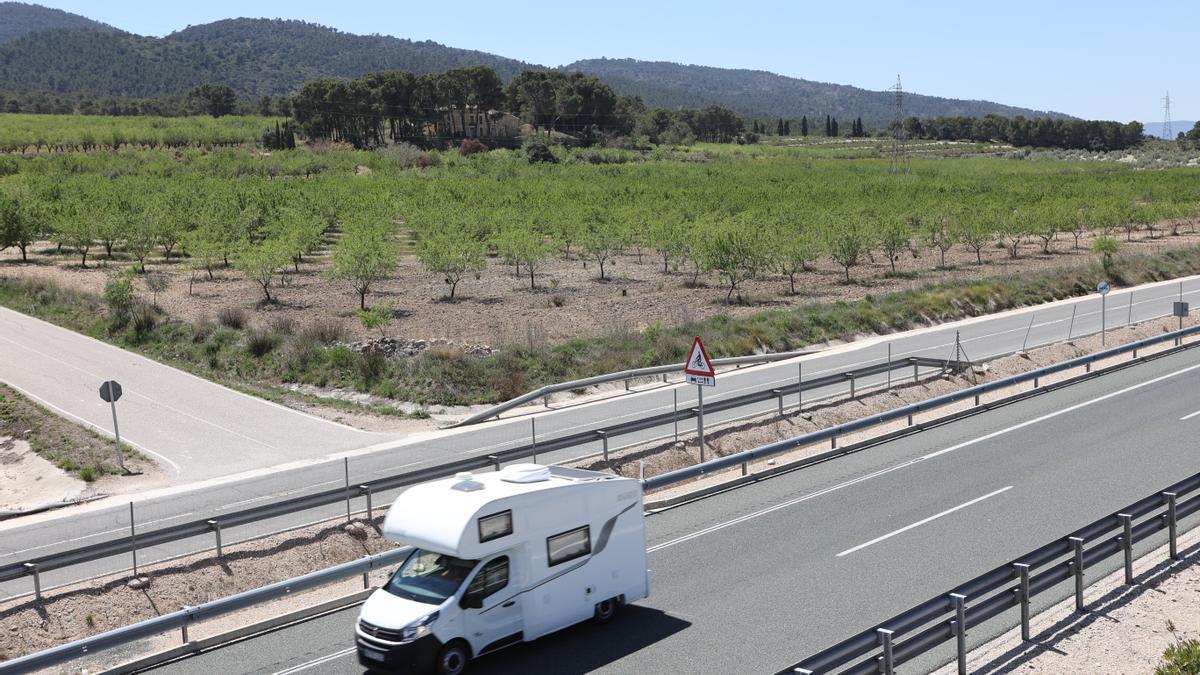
(804, 125)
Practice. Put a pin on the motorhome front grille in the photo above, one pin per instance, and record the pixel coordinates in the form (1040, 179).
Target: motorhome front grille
(381, 633)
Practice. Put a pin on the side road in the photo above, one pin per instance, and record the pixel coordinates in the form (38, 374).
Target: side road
(194, 428)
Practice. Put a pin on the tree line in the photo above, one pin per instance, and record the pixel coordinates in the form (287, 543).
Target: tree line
(1023, 132)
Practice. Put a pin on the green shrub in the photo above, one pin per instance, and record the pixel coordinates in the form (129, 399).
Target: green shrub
(232, 317)
(260, 342)
(1182, 657)
(87, 474)
(145, 318)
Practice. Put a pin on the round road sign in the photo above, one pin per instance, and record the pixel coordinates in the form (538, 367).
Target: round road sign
(1102, 288)
(110, 391)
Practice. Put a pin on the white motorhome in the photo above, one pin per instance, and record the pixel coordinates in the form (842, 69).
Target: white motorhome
(501, 558)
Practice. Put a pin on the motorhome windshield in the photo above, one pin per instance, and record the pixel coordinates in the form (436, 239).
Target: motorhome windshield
(429, 577)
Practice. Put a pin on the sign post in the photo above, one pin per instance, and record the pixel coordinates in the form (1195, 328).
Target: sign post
(1102, 288)
(698, 370)
(110, 391)
(1180, 310)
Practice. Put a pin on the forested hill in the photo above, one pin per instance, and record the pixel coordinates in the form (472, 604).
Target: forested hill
(50, 54)
(18, 18)
(763, 94)
(256, 57)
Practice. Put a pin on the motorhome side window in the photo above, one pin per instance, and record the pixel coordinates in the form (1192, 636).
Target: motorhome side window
(495, 526)
(492, 577)
(569, 545)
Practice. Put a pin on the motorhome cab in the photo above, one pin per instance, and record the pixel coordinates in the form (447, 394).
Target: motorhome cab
(499, 558)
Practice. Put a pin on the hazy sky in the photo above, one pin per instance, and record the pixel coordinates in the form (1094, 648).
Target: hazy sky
(1095, 58)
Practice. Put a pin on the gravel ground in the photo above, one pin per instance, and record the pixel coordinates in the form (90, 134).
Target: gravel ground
(1124, 631)
(91, 607)
(499, 308)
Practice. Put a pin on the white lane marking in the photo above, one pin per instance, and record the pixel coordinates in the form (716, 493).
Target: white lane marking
(1189, 416)
(902, 465)
(923, 521)
(316, 662)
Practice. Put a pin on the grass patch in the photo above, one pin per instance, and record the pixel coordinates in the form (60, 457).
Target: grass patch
(447, 377)
(69, 446)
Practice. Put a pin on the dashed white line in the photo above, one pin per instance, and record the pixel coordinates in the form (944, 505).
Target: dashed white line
(921, 522)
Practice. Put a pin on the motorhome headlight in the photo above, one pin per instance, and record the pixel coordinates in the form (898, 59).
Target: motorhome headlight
(419, 628)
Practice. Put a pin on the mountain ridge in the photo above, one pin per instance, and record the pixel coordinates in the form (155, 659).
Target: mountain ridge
(272, 57)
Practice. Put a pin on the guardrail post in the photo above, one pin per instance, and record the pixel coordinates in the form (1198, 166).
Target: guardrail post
(365, 490)
(779, 395)
(960, 630)
(889, 367)
(603, 443)
(1023, 593)
(546, 401)
(1129, 319)
(910, 419)
(885, 640)
(916, 373)
(1127, 545)
(1172, 523)
(1077, 568)
(1036, 381)
(533, 437)
(976, 399)
(1071, 326)
(495, 460)
(1087, 367)
(366, 576)
(216, 526)
(799, 387)
(851, 385)
(133, 538)
(1134, 354)
(675, 413)
(833, 442)
(346, 469)
(32, 568)
(183, 628)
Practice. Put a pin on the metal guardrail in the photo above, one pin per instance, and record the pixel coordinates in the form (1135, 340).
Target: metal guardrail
(907, 411)
(614, 377)
(212, 525)
(948, 616)
(189, 615)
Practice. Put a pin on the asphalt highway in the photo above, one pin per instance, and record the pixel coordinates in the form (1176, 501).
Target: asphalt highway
(193, 423)
(753, 579)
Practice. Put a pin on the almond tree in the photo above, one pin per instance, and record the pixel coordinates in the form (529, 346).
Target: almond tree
(365, 254)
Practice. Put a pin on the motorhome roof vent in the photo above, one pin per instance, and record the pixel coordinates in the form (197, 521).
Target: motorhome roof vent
(525, 473)
(466, 482)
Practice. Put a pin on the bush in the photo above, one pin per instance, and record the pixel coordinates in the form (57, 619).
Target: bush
(145, 318)
(260, 342)
(232, 317)
(297, 354)
(471, 146)
(1180, 658)
(371, 366)
(284, 325)
(87, 474)
(323, 332)
(118, 295)
(404, 155)
(537, 151)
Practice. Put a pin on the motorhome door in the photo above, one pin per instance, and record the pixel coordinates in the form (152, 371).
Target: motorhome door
(492, 607)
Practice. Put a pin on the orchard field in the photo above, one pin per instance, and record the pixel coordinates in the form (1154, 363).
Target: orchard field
(493, 248)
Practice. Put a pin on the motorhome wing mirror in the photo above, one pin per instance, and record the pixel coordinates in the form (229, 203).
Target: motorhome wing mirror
(471, 601)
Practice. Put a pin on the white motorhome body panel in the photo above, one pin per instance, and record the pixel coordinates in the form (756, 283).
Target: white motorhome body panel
(545, 507)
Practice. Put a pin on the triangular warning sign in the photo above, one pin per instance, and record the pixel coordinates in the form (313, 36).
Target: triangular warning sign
(698, 362)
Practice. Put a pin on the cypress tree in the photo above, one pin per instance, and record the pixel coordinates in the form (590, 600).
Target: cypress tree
(787, 127)
(833, 127)
(828, 126)
(804, 125)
